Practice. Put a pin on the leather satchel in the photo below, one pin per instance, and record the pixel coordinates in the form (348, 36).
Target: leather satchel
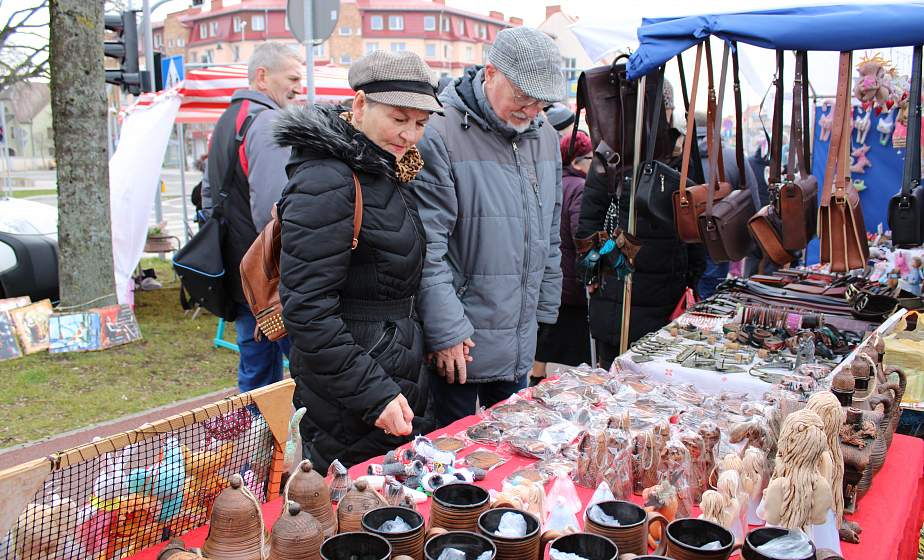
(798, 198)
(723, 225)
(906, 207)
(842, 231)
(260, 271)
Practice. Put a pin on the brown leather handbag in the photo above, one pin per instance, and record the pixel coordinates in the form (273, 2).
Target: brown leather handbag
(766, 226)
(798, 198)
(690, 202)
(260, 271)
(723, 224)
(842, 231)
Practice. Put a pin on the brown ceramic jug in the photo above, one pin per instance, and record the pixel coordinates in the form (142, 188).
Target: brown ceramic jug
(355, 546)
(762, 536)
(631, 535)
(407, 543)
(471, 544)
(296, 535)
(532, 545)
(684, 539)
(586, 545)
(456, 507)
(307, 488)
(236, 525)
(360, 499)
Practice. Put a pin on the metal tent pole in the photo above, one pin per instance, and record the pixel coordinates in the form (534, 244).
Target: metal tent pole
(636, 160)
(181, 148)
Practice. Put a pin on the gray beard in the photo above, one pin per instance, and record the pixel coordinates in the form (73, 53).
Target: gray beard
(520, 128)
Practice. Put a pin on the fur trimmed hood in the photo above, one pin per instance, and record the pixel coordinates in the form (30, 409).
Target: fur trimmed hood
(322, 132)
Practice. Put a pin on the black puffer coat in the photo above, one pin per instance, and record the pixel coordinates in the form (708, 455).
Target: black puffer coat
(356, 342)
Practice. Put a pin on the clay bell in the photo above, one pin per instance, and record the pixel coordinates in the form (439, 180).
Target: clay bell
(236, 525)
(307, 488)
(296, 536)
(843, 385)
(360, 499)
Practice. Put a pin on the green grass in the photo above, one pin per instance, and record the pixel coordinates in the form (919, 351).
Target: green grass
(34, 192)
(46, 394)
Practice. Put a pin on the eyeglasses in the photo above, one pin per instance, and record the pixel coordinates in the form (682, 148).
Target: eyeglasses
(521, 99)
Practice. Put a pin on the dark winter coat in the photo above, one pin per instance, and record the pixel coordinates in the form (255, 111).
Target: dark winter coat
(356, 343)
(572, 188)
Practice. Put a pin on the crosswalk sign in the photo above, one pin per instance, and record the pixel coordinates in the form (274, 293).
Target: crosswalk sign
(172, 71)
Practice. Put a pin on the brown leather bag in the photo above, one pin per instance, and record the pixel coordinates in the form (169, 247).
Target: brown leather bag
(723, 226)
(260, 271)
(690, 202)
(842, 231)
(798, 198)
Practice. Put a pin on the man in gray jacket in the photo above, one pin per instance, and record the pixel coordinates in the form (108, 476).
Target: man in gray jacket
(489, 197)
(252, 179)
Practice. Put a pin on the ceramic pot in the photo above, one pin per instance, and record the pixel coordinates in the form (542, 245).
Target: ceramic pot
(355, 546)
(631, 536)
(684, 540)
(532, 545)
(307, 487)
(360, 499)
(471, 544)
(409, 543)
(296, 536)
(235, 525)
(586, 545)
(456, 507)
(761, 536)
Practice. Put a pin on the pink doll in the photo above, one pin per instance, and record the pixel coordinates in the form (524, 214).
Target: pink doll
(886, 126)
(826, 122)
(861, 162)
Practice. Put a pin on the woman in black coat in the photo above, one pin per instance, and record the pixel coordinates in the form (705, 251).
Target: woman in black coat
(357, 347)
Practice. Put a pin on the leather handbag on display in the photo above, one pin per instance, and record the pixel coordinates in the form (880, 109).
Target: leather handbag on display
(723, 225)
(906, 207)
(842, 231)
(690, 202)
(766, 226)
(260, 271)
(798, 198)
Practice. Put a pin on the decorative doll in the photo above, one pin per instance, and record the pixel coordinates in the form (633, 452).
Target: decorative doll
(827, 406)
(728, 486)
(675, 464)
(754, 480)
(340, 481)
(715, 509)
(698, 471)
(914, 277)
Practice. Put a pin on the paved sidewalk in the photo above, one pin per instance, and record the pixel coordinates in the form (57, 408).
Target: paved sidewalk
(13, 456)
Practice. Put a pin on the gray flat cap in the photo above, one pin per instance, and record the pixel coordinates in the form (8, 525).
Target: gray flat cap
(531, 60)
(559, 116)
(401, 79)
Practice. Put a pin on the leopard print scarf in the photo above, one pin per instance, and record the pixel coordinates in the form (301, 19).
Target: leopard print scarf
(410, 164)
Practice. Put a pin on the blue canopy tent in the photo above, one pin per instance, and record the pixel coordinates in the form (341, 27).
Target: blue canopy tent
(839, 27)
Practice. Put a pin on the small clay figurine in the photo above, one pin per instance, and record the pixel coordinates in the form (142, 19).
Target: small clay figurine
(698, 471)
(754, 478)
(714, 508)
(728, 486)
(675, 462)
(340, 480)
(798, 496)
(829, 409)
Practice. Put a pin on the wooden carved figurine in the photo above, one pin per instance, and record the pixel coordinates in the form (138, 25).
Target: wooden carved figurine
(699, 474)
(827, 406)
(675, 462)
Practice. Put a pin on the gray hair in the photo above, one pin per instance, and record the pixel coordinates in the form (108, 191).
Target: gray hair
(270, 55)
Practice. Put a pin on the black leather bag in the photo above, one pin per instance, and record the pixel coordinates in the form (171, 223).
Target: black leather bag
(906, 207)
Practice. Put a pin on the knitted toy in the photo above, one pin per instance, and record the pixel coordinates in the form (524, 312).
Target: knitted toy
(874, 82)
(861, 123)
(135, 527)
(861, 162)
(99, 513)
(885, 127)
(163, 480)
(38, 532)
(202, 485)
(798, 496)
(826, 122)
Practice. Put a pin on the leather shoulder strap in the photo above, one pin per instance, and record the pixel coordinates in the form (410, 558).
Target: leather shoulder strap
(691, 127)
(739, 129)
(654, 123)
(840, 108)
(795, 125)
(776, 129)
(806, 121)
(357, 210)
(912, 172)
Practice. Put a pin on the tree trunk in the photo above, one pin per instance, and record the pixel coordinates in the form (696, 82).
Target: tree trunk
(78, 104)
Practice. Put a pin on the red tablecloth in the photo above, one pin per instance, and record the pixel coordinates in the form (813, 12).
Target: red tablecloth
(890, 513)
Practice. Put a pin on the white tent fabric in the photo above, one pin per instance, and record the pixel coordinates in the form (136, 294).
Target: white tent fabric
(132, 185)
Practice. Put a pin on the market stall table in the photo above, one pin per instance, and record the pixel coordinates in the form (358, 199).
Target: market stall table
(890, 513)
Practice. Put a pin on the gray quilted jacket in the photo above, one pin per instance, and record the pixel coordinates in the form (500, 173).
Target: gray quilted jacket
(490, 201)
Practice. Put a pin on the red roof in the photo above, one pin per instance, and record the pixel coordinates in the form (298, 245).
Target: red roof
(422, 6)
(244, 6)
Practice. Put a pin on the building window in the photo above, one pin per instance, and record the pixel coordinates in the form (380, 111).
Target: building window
(431, 50)
(235, 53)
(483, 31)
(203, 31)
(209, 56)
(371, 47)
(469, 54)
(170, 44)
(446, 51)
(396, 22)
(237, 24)
(461, 27)
(346, 31)
(192, 56)
(398, 47)
(376, 23)
(213, 28)
(158, 41)
(444, 23)
(318, 51)
(181, 42)
(257, 23)
(345, 59)
(429, 23)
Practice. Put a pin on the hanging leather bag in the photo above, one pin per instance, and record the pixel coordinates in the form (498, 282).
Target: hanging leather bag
(906, 207)
(260, 271)
(842, 231)
(766, 226)
(798, 197)
(724, 225)
(690, 202)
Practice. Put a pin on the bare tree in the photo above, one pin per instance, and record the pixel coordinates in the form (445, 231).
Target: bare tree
(78, 104)
(24, 43)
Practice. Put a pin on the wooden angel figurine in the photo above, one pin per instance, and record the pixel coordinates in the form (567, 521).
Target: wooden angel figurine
(729, 487)
(798, 496)
(714, 508)
(711, 436)
(754, 478)
(827, 406)
(675, 462)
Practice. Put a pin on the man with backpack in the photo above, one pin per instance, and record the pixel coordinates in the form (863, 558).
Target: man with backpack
(244, 177)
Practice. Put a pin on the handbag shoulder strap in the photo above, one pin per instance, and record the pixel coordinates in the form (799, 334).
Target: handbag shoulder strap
(691, 128)
(795, 125)
(739, 131)
(840, 110)
(357, 210)
(806, 122)
(697, 171)
(713, 140)
(776, 128)
(243, 120)
(654, 123)
(912, 172)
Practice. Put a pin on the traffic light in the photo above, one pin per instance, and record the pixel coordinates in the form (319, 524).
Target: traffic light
(125, 49)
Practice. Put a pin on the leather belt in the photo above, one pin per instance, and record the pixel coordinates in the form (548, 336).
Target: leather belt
(377, 310)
